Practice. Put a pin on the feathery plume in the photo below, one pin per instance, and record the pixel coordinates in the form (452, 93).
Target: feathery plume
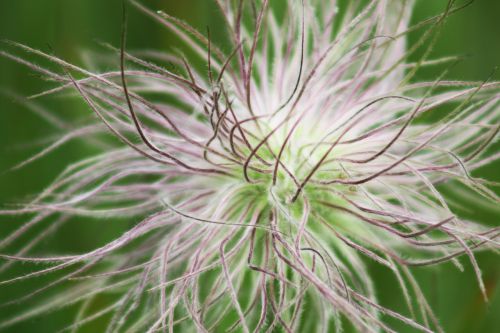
(266, 175)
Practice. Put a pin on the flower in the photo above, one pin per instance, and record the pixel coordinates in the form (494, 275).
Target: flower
(262, 180)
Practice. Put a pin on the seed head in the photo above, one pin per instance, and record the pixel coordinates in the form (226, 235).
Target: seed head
(263, 181)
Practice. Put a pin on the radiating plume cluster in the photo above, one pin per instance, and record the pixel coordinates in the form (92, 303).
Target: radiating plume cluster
(263, 174)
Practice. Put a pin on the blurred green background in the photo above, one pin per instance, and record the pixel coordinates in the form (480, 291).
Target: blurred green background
(70, 27)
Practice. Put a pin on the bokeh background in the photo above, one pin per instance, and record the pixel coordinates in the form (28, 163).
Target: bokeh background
(71, 29)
